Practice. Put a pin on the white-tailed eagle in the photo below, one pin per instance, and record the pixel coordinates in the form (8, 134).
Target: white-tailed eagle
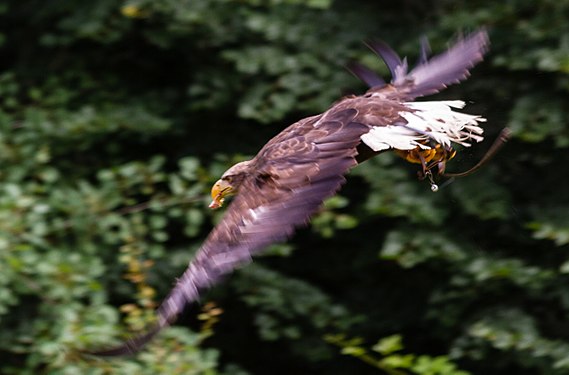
(287, 181)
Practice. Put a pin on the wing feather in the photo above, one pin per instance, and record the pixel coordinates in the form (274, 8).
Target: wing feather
(293, 175)
(430, 75)
(447, 68)
(389, 56)
(365, 74)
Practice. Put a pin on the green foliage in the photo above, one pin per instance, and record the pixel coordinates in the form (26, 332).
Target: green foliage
(535, 117)
(515, 332)
(552, 224)
(391, 194)
(279, 312)
(391, 361)
(117, 116)
(329, 219)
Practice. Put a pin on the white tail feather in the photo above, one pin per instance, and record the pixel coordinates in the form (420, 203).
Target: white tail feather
(434, 120)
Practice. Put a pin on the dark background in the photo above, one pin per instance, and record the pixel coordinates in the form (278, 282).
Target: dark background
(117, 116)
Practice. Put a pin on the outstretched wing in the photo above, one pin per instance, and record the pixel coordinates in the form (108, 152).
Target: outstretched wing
(291, 177)
(429, 76)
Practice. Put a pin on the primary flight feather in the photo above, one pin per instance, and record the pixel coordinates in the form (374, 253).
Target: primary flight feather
(287, 181)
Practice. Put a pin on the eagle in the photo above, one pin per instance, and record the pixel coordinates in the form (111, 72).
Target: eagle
(286, 183)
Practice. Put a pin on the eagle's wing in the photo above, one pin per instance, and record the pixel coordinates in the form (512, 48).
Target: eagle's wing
(292, 175)
(429, 76)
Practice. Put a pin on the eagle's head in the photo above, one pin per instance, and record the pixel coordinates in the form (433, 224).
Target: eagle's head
(229, 183)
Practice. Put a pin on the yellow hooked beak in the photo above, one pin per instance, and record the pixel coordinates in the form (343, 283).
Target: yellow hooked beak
(219, 191)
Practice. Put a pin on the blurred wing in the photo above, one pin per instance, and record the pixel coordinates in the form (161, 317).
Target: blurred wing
(449, 67)
(365, 74)
(430, 75)
(293, 174)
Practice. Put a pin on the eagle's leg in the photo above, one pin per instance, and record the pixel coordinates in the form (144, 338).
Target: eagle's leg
(426, 172)
(424, 168)
(443, 154)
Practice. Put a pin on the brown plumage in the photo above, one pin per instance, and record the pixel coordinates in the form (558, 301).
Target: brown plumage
(287, 181)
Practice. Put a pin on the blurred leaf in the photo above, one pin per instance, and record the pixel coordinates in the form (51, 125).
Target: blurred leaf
(388, 345)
